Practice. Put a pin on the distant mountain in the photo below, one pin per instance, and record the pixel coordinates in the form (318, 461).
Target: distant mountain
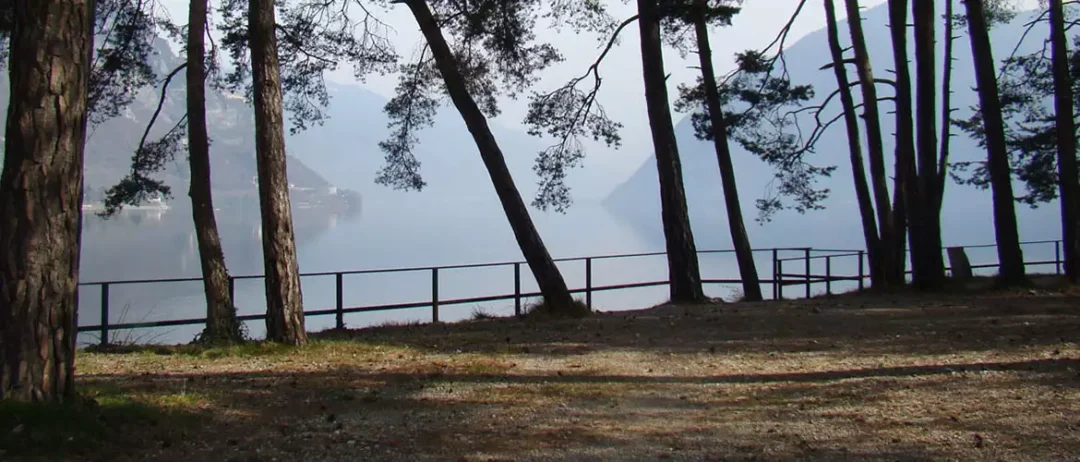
(346, 150)
(966, 218)
(231, 124)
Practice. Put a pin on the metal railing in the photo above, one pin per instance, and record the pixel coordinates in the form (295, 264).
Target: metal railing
(778, 281)
(807, 278)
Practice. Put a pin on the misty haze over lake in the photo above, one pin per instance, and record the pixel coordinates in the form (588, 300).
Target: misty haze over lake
(457, 219)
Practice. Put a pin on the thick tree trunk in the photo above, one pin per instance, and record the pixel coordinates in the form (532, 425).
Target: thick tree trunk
(872, 119)
(1066, 138)
(1010, 256)
(284, 301)
(946, 107)
(858, 171)
(930, 268)
(906, 173)
(744, 253)
(41, 198)
(683, 271)
(548, 278)
(221, 323)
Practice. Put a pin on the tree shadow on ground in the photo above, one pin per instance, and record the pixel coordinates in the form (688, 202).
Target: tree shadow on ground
(418, 413)
(844, 378)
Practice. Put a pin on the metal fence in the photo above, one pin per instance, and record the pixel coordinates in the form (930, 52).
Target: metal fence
(780, 278)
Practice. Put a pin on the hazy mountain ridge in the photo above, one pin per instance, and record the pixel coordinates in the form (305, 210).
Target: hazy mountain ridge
(109, 145)
(966, 217)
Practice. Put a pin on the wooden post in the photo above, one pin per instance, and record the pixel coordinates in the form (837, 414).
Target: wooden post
(435, 295)
(828, 274)
(588, 283)
(1057, 257)
(807, 264)
(779, 279)
(105, 314)
(862, 273)
(517, 289)
(232, 290)
(340, 306)
(775, 276)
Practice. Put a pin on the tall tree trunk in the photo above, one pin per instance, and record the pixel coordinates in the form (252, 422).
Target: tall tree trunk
(900, 221)
(41, 198)
(872, 119)
(906, 174)
(683, 270)
(284, 301)
(930, 270)
(1066, 138)
(744, 253)
(946, 107)
(221, 322)
(548, 278)
(858, 171)
(1010, 256)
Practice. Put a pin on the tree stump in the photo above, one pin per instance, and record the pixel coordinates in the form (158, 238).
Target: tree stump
(959, 263)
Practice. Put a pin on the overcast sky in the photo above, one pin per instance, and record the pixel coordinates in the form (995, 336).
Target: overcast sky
(623, 93)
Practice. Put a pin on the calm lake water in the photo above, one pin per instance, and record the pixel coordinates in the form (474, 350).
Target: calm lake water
(415, 230)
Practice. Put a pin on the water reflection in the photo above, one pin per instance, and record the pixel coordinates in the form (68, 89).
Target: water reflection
(161, 244)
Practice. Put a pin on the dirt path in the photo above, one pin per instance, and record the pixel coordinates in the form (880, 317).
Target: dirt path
(853, 377)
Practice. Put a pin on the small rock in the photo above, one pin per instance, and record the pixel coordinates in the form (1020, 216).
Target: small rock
(351, 443)
(18, 429)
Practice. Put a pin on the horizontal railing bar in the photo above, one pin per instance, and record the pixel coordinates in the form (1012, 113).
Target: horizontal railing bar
(426, 268)
(818, 257)
(141, 281)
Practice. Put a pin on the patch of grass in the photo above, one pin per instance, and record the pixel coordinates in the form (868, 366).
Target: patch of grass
(479, 314)
(250, 349)
(102, 417)
(541, 310)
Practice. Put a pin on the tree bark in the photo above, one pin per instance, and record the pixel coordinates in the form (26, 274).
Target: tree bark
(1010, 256)
(41, 198)
(930, 269)
(284, 301)
(946, 107)
(1068, 187)
(906, 173)
(683, 270)
(221, 322)
(858, 170)
(548, 278)
(744, 253)
(872, 120)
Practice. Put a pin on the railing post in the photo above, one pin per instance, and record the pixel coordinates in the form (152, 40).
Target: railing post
(779, 279)
(435, 295)
(232, 290)
(105, 314)
(862, 275)
(807, 263)
(588, 283)
(828, 274)
(775, 275)
(340, 306)
(1057, 257)
(517, 289)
